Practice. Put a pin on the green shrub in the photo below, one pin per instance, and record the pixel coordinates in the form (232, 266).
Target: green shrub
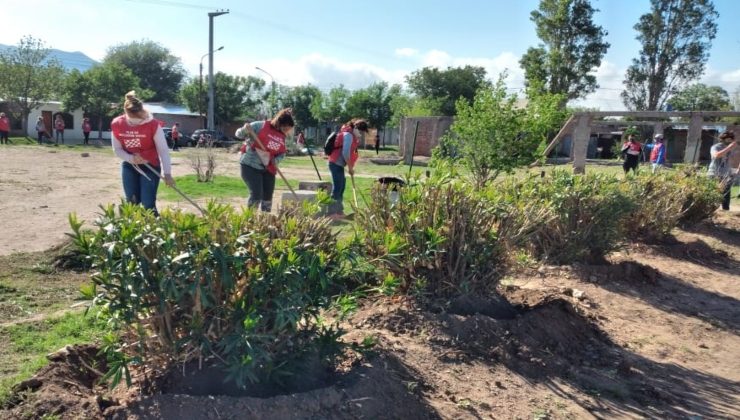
(243, 287)
(440, 234)
(702, 195)
(580, 215)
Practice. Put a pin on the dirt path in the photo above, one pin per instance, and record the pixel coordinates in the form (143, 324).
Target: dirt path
(40, 186)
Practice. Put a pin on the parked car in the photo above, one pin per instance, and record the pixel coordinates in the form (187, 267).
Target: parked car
(218, 139)
(183, 141)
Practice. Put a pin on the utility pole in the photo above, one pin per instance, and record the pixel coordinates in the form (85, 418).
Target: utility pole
(200, 87)
(211, 84)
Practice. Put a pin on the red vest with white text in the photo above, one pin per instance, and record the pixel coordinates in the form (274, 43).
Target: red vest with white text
(274, 142)
(137, 138)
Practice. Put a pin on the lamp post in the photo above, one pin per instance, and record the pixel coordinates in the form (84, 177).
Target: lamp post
(272, 89)
(200, 84)
(211, 83)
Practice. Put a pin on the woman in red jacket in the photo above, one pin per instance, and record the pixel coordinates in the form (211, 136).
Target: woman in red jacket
(138, 139)
(4, 128)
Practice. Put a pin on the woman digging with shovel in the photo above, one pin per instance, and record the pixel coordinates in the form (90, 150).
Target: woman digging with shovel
(138, 140)
(344, 154)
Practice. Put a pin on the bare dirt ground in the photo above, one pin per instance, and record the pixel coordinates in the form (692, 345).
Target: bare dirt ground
(39, 187)
(652, 334)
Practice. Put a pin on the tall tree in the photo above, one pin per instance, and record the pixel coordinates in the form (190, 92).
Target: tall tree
(572, 48)
(676, 36)
(700, 97)
(442, 88)
(158, 70)
(236, 97)
(300, 98)
(99, 91)
(28, 77)
(373, 103)
(331, 107)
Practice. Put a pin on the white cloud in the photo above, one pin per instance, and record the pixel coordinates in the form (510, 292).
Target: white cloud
(406, 52)
(607, 97)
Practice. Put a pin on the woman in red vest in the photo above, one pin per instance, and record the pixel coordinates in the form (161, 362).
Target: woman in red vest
(259, 162)
(4, 128)
(344, 154)
(86, 128)
(138, 139)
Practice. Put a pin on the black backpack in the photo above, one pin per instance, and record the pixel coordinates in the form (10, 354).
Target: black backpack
(329, 143)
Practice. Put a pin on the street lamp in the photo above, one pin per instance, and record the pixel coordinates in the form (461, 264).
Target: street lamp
(211, 84)
(200, 84)
(272, 90)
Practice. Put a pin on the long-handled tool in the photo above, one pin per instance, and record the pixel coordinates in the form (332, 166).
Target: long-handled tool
(310, 154)
(176, 189)
(262, 146)
(354, 188)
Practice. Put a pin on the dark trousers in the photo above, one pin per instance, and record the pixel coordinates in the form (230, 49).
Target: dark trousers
(338, 184)
(727, 194)
(3, 137)
(261, 186)
(630, 162)
(87, 136)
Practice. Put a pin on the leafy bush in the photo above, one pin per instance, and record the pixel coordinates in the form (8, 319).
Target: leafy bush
(664, 200)
(580, 215)
(243, 287)
(440, 234)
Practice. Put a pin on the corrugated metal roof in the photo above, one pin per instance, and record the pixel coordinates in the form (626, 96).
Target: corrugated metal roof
(171, 109)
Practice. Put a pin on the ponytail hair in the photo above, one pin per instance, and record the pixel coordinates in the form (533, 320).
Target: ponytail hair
(284, 118)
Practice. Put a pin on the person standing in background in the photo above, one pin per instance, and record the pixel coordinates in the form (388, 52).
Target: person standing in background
(41, 130)
(4, 128)
(59, 127)
(719, 167)
(175, 136)
(86, 129)
(657, 152)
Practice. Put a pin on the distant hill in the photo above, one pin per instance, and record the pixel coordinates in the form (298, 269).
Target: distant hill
(69, 60)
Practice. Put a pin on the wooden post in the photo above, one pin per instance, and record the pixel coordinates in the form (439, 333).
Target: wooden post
(693, 139)
(581, 137)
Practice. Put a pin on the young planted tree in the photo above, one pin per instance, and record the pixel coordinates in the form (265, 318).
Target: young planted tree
(29, 77)
(441, 89)
(99, 91)
(493, 135)
(676, 36)
(572, 48)
(158, 70)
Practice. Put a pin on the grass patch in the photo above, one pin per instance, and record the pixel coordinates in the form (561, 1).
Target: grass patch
(25, 346)
(224, 187)
(29, 285)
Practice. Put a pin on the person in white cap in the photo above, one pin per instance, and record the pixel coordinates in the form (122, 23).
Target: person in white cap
(657, 152)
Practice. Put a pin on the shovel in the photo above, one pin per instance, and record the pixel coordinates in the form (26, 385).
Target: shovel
(354, 188)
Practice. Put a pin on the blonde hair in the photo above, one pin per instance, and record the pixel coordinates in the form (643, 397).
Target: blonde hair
(132, 105)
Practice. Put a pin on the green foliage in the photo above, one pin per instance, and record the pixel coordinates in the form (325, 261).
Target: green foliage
(665, 200)
(29, 77)
(442, 89)
(158, 70)
(244, 287)
(299, 98)
(373, 103)
(494, 135)
(700, 97)
(572, 50)
(331, 107)
(676, 36)
(580, 215)
(236, 97)
(96, 89)
(428, 238)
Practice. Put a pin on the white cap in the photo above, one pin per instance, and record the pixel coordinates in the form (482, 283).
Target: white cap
(658, 136)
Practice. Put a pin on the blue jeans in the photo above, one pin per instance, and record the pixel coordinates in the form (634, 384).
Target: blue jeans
(137, 188)
(338, 183)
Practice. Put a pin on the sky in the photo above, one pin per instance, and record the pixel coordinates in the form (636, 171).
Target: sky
(349, 42)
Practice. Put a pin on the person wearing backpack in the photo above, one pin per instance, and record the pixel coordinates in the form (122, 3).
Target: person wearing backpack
(258, 164)
(344, 153)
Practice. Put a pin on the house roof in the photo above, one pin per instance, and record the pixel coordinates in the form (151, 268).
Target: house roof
(171, 109)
